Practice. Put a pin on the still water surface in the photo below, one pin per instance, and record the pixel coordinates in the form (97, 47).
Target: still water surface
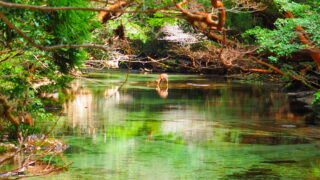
(199, 128)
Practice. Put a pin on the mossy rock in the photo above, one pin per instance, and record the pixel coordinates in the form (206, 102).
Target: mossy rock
(7, 147)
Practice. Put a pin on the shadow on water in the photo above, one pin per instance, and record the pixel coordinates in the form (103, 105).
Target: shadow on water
(256, 174)
(198, 128)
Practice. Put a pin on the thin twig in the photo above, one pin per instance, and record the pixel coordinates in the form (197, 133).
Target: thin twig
(10, 157)
(26, 163)
(12, 56)
(46, 173)
(47, 8)
(300, 79)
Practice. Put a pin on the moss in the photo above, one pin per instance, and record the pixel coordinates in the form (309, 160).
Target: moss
(2, 150)
(7, 147)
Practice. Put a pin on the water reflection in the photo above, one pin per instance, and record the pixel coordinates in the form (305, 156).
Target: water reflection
(217, 131)
(163, 92)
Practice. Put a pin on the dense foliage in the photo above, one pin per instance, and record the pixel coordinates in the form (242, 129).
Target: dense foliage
(70, 27)
(40, 48)
(283, 40)
(26, 72)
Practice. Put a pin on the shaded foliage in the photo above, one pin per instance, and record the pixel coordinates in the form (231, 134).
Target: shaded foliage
(70, 27)
(283, 40)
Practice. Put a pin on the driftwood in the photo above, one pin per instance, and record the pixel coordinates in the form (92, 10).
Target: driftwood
(32, 151)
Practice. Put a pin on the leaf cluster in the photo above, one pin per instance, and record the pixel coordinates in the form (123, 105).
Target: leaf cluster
(316, 100)
(70, 27)
(283, 40)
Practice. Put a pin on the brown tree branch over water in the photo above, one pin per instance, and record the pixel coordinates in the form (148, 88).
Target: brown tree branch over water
(303, 37)
(312, 85)
(207, 21)
(48, 9)
(104, 16)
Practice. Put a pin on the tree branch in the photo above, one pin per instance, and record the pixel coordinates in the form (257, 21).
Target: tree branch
(105, 2)
(50, 48)
(306, 40)
(46, 8)
(12, 56)
(47, 48)
(105, 16)
(279, 71)
(8, 113)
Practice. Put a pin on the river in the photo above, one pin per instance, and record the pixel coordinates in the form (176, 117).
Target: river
(200, 127)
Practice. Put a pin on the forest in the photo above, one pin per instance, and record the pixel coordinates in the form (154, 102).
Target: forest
(55, 52)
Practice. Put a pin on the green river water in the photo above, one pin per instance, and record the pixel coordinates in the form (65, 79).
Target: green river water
(199, 128)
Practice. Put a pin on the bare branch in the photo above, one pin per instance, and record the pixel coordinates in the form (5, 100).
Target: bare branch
(247, 5)
(105, 2)
(46, 172)
(279, 71)
(50, 48)
(46, 8)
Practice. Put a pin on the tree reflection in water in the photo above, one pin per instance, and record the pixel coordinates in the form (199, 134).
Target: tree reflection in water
(222, 130)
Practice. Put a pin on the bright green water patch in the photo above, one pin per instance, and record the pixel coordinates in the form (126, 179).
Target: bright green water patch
(205, 128)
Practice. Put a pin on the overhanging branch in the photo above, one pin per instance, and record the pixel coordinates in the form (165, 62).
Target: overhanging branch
(46, 8)
(47, 48)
